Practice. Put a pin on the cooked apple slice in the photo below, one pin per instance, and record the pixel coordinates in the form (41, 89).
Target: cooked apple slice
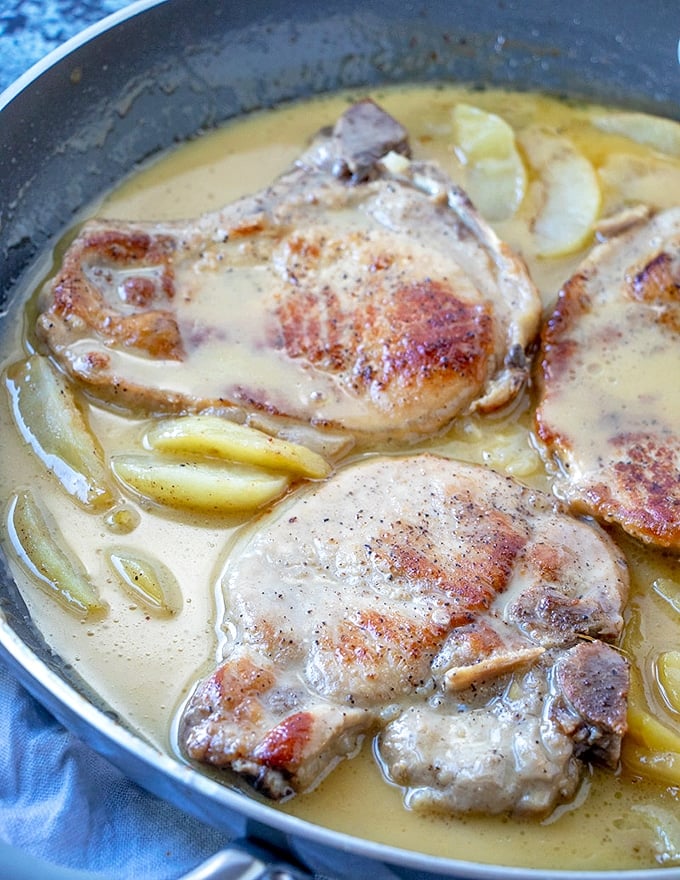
(204, 487)
(148, 580)
(46, 556)
(565, 194)
(215, 437)
(326, 443)
(49, 418)
(628, 179)
(651, 131)
(644, 727)
(496, 178)
(668, 674)
(663, 766)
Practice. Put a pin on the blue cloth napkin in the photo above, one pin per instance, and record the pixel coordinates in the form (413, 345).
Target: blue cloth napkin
(30, 29)
(59, 801)
(63, 803)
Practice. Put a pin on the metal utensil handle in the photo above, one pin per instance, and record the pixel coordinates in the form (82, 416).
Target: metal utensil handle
(244, 861)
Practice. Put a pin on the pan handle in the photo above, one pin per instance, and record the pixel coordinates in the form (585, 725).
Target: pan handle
(244, 860)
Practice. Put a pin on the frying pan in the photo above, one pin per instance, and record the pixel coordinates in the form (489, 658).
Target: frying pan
(158, 74)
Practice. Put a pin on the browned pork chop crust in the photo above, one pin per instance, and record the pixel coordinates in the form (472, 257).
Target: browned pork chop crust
(346, 293)
(438, 604)
(609, 381)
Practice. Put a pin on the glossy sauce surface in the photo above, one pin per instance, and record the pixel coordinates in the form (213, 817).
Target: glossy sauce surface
(144, 666)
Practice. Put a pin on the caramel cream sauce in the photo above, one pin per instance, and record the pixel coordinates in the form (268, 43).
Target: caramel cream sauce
(144, 666)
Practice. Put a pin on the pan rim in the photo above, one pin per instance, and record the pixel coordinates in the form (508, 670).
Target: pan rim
(58, 54)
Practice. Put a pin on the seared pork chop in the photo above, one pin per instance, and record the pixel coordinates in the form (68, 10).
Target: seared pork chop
(609, 410)
(346, 293)
(437, 603)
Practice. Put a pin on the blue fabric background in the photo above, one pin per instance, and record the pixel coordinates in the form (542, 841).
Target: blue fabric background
(30, 29)
(59, 801)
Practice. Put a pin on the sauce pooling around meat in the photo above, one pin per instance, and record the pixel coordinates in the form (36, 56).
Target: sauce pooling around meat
(144, 665)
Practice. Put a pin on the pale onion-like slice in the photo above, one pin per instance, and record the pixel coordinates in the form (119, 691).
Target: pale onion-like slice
(512, 453)
(51, 421)
(566, 194)
(644, 727)
(395, 163)
(668, 672)
(651, 131)
(328, 444)
(627, 179)
(44, 553)
(668, 589)
(496, 178)
(204, 487)
(215, 437)
(148, 580)
(663, 767)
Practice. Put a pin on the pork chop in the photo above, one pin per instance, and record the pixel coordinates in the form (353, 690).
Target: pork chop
(346, 294)
(609, 383)
(438, 604)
